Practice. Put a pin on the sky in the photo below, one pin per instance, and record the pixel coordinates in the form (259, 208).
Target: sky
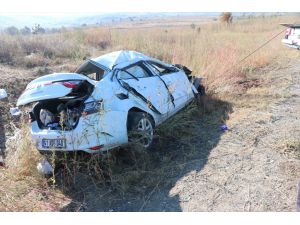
(83, 7)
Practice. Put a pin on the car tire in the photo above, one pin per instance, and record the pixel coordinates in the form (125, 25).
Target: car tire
(201, 90)
(140, 129)
(201, 97)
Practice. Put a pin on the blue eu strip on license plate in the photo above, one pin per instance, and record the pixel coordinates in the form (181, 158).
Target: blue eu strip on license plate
(53, 143)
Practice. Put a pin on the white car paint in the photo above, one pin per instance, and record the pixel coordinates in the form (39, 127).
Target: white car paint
(48, 86)
(292, 36)
(108, 126)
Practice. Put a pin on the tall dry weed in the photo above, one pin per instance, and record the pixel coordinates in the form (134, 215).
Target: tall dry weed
(22, 156)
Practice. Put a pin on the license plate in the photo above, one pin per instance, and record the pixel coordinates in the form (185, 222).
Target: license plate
(53, 143)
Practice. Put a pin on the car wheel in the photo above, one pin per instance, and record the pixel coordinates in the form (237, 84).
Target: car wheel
(201, 97)
(140, 129)
(201, 90)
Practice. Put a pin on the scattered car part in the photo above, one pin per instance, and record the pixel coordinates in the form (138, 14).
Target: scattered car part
(3, 94)
(15, 112)
(224, 127)
(44, 167)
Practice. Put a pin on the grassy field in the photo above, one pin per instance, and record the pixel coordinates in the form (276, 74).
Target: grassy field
(210, 49)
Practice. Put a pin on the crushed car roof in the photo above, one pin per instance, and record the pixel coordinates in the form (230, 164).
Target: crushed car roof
(114, 58)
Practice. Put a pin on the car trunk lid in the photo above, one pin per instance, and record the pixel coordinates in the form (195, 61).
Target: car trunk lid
(50, 87)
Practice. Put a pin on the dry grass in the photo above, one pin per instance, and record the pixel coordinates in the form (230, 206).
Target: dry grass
(291, 148)
(29, 51)
(22, 187)
(22, 156)
(210, 53)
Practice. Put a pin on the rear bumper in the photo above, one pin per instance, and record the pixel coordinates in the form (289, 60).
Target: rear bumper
(89, 133)
(290, 43)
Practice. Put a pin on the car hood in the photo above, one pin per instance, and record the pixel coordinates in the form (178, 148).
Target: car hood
(49, 87)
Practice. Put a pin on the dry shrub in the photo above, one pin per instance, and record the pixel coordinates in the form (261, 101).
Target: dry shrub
(22, 156)
(9, 50)
(97, 37)
(226, 17)
(291, 148)
(219, 72)
(22, 188)
(52, 46)
(13, 49)
(35, 60)
(214, 53)
(210, 54)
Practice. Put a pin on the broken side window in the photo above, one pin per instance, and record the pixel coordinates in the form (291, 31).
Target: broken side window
(161, 69)
(92, 71)
(133, 72)
(138, 72)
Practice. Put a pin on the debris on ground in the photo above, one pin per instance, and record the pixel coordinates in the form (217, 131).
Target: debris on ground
(224, 127)
(1, 161)
(44, 167)
(15, 112)
(12, 142)
(3, 94)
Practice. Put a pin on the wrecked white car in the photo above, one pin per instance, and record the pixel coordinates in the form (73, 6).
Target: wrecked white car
(105, 100)
(292, 36)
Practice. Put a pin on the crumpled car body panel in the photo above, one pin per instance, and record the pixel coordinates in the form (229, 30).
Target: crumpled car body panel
(132, 81)
(47, 87)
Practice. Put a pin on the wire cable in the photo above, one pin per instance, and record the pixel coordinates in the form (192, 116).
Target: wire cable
(261, 46)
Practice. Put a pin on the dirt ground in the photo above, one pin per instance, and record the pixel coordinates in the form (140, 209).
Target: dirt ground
(251, 169)
(254, 166)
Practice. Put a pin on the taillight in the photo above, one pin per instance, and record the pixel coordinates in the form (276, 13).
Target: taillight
(96, 147)
(288, 31)
(70, 84)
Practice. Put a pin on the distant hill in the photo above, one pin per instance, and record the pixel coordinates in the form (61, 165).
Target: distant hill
(55, 21)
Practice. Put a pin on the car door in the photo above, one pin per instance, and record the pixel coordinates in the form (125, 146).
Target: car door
(147, 87)
(176, 81)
